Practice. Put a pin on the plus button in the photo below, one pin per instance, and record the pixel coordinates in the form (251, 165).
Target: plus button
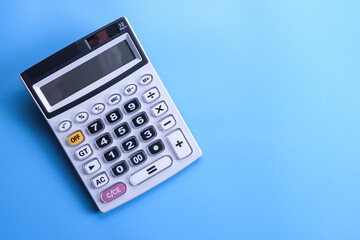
(178, 143)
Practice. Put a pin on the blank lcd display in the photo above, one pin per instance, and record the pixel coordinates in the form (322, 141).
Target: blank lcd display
(87, 73)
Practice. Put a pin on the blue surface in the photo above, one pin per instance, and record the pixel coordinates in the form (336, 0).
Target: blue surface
(270, 90)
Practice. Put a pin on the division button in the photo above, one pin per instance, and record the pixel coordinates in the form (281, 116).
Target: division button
(114, 99)
(113, 192)
(150, 170)
(91, 166)
(100, 180)
(81, 117)
(159, 109)
(167, 123)
(64, 126)
(179, 144)
(146, 79)
(120, 168)
(151, 95)
(75, 138)
(130, 89)
(83, 152)
(98, 108)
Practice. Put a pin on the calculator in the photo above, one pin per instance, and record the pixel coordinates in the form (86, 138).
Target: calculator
(112, 114)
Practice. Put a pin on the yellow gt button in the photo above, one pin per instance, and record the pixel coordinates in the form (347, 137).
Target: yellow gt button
(75, 138)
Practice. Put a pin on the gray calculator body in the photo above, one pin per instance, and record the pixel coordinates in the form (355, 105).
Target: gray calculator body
(112, 115)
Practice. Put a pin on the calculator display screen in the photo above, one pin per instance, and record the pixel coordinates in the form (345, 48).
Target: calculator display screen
(87, 73)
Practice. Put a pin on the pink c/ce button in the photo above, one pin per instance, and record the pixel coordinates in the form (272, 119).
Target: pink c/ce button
(113, 192)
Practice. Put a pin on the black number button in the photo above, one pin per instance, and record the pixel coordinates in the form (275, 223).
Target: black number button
(138, 157)
(156, 147)
(95, 126)
(129, 144)
(132, 105)
(120, 168)
(148, 133)
(122, 130)
(140, 120)
(103, 141)
(113, 116)
(112, 154)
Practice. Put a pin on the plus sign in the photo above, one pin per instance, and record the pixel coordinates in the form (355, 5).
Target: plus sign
(178, 143)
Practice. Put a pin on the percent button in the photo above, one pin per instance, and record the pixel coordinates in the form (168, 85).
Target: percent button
(113, 192)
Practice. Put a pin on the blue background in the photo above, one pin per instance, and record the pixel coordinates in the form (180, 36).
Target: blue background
(270, 90)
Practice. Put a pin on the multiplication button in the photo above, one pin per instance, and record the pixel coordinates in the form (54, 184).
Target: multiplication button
(179, 144)
(159, 109)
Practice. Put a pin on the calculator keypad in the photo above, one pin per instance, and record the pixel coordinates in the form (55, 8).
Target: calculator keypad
(136, 123)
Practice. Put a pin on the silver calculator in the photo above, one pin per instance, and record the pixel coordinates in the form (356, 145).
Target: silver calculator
(112, 114)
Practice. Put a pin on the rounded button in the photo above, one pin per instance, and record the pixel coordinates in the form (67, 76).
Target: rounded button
(146, 79)
(98, 108)
(81, 117)
(130, 90)
(114, 99)
(64, 126)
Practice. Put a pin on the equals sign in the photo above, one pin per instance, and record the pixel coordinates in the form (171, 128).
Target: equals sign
(152, 169)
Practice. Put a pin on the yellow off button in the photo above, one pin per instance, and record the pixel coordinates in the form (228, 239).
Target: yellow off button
(75, 138)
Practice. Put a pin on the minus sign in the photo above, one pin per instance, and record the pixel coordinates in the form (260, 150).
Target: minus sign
(167, 123)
